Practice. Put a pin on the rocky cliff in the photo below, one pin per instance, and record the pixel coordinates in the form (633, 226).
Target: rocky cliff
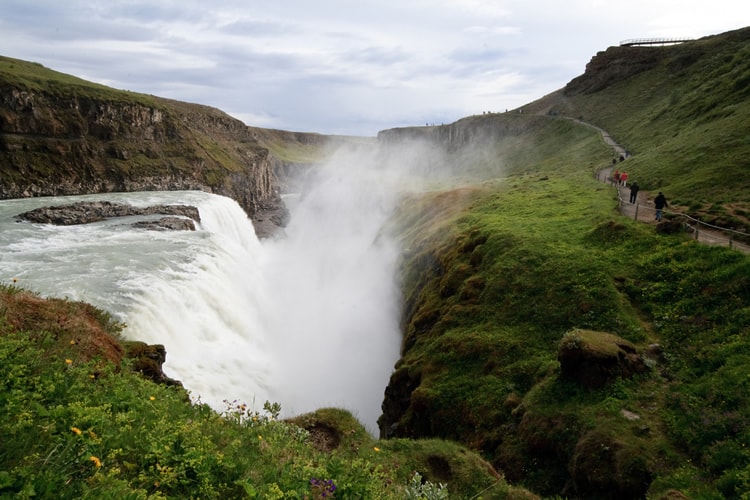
(60, 135)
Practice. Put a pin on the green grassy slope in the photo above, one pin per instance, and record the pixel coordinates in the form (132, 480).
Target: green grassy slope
(497, 273)
(684, 118)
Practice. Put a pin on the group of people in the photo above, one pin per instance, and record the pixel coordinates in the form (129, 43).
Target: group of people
(660, 202)
(620, 178)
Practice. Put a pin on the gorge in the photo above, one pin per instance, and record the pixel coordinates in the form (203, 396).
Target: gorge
(484, 250)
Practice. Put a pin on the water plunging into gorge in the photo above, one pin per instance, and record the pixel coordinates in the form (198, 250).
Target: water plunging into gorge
(307, 320)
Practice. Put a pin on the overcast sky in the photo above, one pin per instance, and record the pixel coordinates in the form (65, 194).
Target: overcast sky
(344, 66)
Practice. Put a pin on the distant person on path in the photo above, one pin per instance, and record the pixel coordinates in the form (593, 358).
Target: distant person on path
(623, 179)
(616, 177)
(634, 187)
(660, 202)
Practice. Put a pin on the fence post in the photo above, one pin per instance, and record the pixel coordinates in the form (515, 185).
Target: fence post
(636, 211)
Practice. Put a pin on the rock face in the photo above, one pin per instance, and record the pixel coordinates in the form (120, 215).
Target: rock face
(64, 136)
(614, 64)
(594, 359)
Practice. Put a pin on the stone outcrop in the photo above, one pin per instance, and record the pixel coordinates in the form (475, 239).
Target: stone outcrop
(613, 65)
(595, 359)
(166, 224)
(148, 360)
(87, 212)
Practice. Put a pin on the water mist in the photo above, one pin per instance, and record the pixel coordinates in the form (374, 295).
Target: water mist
(332, 283)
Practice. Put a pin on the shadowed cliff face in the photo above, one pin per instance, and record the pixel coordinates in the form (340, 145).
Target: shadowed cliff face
(66, 140)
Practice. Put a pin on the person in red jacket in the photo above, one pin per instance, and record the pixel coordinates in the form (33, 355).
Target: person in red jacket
(624, 178)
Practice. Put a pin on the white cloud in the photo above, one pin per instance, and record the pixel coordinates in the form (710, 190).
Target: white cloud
(338, 66)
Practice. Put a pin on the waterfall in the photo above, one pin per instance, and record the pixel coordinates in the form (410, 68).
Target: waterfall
(308, 320)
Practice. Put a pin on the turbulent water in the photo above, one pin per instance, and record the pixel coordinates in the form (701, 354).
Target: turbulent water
(308, 320)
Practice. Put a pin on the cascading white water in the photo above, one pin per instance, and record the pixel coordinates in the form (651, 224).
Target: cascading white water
(307, 320)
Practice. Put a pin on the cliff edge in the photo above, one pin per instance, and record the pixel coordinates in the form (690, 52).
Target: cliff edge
(60, 135)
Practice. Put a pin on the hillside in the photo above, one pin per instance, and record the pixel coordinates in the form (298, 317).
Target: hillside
(60, 135)
(584, 354)
(682, 111)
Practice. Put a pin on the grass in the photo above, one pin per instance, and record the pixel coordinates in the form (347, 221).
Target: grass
(495, 284)
(496, 274)
(34, 77)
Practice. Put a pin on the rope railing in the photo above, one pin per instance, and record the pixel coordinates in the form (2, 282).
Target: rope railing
(715, 234)
(653, 41)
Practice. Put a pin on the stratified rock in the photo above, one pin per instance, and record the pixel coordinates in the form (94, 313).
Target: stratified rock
(167, 224)
(594, 359)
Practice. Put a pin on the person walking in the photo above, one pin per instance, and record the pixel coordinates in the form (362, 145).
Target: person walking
(660, 202)
(634, 187)
(624, 179)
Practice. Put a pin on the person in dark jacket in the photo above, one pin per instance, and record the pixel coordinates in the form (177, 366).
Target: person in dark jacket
(660, 202)
(634, 187)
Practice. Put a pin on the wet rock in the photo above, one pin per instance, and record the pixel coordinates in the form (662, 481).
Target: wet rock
(86, 212)
(167, 224)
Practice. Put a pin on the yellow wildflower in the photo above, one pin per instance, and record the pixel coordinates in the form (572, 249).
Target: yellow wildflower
(97, 462)
(76, 430)
(151, 398)
(68, 361)
(72, 342)
(376, 448)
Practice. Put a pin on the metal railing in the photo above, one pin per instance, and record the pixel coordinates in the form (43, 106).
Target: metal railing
(653, 41)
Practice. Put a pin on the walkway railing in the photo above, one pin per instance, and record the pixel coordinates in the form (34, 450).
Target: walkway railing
(653, 41)
(701, 231)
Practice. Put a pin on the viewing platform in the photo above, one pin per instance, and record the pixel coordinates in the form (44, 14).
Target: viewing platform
(653, 41)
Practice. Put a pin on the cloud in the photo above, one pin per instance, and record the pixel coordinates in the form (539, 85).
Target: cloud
(336, 66)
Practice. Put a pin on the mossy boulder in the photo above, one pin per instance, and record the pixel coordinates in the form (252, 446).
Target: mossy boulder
(148, 360)
(594, 359)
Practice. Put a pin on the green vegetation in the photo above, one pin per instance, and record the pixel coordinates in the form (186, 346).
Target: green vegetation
(34, 77)
(492, 286)
(78, 424)
(496, 274)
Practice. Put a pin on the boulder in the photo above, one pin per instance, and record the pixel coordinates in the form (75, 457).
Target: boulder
(148, 360)
(594, 359)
